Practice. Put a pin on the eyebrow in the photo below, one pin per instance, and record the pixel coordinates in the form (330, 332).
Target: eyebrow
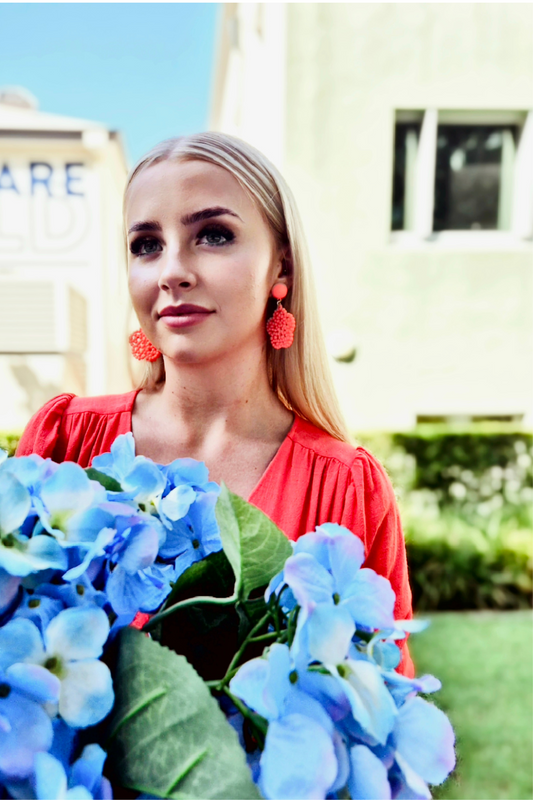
(207, 213)
(188, 219)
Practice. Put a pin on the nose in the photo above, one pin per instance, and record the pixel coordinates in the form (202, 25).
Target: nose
(176, 271)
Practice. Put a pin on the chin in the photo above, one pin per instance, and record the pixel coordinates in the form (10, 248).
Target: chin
(191, 354)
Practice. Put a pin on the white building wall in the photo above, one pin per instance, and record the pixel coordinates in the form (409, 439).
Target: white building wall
(62, 268)
(443, 324)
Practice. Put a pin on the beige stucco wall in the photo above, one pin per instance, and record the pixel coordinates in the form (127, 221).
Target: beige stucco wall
(441, 330)
(79, 248)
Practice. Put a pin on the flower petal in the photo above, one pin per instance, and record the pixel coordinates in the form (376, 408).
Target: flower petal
(9, 586)
(15, 502)
(263, 683)
(44, 552)
(310, 582)
(140, 549)
(34, 681)
(330, 631)
(20, 641)
(120, 460)
(187, 470)
(86, 693)
(372, 705)
(145, 480)
(177, 502)
(30, 730)
(370, 600)
(87, 769)
(298, 761)
(77, 633)
(50, 778)
(66, 492)
(413, 787)
(368, 777)
(425, 740)
(144, 591)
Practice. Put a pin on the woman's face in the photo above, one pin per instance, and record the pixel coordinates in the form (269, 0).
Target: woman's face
(196, 238)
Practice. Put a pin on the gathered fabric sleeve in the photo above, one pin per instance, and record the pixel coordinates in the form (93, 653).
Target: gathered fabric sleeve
(371, 509)
(42, 431)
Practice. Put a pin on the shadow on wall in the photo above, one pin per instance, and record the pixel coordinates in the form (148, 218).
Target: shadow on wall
(37, 392)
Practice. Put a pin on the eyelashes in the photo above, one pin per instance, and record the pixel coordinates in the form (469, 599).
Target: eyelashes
(138, 246)
(217, 231)
(213, 235)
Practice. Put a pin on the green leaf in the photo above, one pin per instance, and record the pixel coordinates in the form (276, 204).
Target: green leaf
(107, 482)
(212, 575)
(167, 735)
(256, 548)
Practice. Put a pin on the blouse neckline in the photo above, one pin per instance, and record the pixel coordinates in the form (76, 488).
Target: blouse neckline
(271, 464)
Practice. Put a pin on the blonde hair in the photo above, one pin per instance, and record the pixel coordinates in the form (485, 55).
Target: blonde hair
(299, 375)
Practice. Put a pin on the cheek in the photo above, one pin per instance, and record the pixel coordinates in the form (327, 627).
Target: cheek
(141, 289)
(248, 279)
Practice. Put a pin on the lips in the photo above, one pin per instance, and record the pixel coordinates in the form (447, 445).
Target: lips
(185, 309)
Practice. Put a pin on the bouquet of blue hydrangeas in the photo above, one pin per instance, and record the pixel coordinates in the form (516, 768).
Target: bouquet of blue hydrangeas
(263, 668)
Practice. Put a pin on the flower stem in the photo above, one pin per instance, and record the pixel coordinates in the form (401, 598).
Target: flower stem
(265, 637)
(237, 657)
(258, 724)
(192, 601)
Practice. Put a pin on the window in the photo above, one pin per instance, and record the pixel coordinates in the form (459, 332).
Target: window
(462, 171)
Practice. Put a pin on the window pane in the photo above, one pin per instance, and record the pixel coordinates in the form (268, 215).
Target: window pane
(405, 147)
(474, 166)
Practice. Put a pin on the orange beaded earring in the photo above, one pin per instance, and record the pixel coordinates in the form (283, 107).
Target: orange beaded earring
(281, 325)
(141, 348)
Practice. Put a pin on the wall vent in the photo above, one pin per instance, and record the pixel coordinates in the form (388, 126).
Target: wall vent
(42, 317)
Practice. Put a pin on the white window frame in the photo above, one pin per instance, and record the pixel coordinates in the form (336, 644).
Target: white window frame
(422, 191)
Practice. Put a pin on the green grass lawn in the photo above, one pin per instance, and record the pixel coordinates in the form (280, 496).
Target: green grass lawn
(485, 662)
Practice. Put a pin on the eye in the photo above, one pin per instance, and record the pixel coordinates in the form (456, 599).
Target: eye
(215, 235)
(144, 246)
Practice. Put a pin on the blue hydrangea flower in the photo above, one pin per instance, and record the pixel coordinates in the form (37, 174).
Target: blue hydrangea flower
(368, 776)
(372, 706)
(20, 555)
(140, 479)
(9, 589)
(193, 537)
(367, 596)
(142, 590)
(85, 781)
(62, 501)
(39, 609)
(189, 472)
(424, 747)
(76, 592)
(25, 727)
(299, 758)
(333, 593)
(30, 471)
(73, 641)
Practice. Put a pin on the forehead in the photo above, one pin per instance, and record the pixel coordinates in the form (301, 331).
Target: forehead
(183, 187)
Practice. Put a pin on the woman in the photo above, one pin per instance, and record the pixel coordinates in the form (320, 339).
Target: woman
(213, 234)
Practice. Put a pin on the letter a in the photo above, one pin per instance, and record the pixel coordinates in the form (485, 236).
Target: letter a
(7, 174)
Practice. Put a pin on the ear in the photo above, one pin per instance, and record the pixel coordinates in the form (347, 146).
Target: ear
(284, 268)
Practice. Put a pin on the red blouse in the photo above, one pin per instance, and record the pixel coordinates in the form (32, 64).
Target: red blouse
(313, 478)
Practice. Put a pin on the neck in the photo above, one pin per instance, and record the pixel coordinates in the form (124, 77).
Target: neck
(230, 396)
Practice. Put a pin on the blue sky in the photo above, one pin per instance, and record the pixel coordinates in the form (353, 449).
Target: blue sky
(142, 68)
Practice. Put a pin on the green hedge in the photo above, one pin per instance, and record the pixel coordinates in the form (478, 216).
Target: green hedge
(449, 578)
(466, 505)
